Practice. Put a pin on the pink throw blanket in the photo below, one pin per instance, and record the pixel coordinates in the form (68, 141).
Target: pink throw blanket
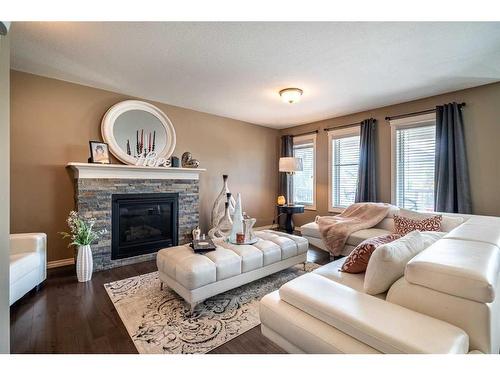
(335, 230)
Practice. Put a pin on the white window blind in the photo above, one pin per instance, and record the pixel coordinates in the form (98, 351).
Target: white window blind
(415, 153)
(344, 162)
(304, 181)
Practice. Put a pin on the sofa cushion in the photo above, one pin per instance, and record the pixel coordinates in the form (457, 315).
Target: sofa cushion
(431, 237)
(387, 224)
(359, 236)
(310, 230)
(387, 263)
(332, 271)
(357, 261)
(404, 225)
(448, 222)
(387, 327)
(466, 269)
(481, 231)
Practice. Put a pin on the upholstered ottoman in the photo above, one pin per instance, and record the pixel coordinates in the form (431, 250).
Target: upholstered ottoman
(196, 277)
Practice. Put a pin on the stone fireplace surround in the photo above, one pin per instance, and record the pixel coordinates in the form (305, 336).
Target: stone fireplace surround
(95, 184)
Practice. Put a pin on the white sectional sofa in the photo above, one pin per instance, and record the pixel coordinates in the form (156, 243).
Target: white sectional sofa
(447, 301)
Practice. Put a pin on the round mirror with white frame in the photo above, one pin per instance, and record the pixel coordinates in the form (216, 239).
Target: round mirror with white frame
(133, 128)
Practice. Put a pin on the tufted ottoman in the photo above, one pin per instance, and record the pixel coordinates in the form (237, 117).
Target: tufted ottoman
(196, 277)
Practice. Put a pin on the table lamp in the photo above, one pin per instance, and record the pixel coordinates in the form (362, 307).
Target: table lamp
(289, 165)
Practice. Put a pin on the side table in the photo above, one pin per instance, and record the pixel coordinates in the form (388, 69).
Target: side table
(289, 211)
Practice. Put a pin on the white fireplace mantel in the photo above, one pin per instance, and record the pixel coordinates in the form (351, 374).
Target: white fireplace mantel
(89, 170)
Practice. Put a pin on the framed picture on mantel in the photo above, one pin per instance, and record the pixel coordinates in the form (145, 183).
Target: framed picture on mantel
(99, 152)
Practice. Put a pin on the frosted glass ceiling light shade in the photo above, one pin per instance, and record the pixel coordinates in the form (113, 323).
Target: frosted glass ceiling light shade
(291, 95)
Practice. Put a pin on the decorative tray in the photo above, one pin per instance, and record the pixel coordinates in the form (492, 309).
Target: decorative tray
(249, 242)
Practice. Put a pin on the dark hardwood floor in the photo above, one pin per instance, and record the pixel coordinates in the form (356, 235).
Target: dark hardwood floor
(70, 317)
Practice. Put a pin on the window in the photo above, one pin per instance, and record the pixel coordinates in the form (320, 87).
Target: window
(304, 182)
(343, 162)
(413, 153)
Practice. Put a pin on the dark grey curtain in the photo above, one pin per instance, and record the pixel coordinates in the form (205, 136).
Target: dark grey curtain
(451, 178)
(367, 174)
(286, 150)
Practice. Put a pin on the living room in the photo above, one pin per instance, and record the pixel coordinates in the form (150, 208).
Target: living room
(250, 187)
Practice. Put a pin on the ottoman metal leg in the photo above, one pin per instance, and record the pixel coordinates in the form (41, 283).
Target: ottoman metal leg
(192, 306)
(161, 285)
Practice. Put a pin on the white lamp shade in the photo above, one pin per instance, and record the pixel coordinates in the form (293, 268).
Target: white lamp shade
(290, 164)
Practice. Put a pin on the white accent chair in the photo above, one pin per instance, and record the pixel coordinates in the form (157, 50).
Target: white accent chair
(28, 263)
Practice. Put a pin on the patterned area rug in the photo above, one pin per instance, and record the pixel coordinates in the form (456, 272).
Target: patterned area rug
(158, 321)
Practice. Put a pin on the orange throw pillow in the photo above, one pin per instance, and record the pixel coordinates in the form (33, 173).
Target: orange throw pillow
(357, 261)
(404, 225)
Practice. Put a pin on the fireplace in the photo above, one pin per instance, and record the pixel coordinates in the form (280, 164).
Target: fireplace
(143, 223)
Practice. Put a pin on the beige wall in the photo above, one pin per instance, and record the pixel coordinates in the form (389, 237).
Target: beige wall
(52, 122)
(482, 131)
(4, 193)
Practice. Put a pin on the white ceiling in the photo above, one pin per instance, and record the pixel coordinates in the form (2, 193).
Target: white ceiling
(236, 69)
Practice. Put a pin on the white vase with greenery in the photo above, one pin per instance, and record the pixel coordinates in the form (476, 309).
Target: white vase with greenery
(82, 235)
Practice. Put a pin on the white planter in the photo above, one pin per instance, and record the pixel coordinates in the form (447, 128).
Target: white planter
(84, 263)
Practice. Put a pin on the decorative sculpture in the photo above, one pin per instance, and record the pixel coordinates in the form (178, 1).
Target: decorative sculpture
(224, 223)
(237, 220)
(188, 161)
(248, 224)
(219, 204)
(196, 233)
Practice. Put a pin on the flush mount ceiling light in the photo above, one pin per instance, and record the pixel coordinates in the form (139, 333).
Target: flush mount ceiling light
(291, 95)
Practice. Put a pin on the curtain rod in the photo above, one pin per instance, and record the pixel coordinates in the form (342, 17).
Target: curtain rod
(389, 118)
(343, 126)
(311, 132)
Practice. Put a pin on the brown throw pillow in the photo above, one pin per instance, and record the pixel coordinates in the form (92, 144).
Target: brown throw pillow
(404, 225)
(357, 261)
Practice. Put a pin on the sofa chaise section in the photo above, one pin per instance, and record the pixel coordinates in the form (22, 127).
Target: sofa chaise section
(382, 326)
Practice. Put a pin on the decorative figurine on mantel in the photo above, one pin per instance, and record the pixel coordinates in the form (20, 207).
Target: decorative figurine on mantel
(188, 161)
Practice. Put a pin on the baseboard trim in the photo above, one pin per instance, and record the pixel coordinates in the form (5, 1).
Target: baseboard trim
(60, 263)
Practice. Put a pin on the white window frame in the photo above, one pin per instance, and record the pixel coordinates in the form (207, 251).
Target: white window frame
(336, 134)
(309, 137)
(406, 122)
